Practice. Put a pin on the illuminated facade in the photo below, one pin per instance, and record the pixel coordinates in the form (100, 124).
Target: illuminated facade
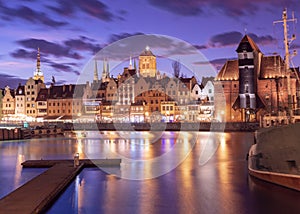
(251, 86)
(147, 63)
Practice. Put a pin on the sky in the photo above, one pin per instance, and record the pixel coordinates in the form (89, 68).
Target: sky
(71, 35)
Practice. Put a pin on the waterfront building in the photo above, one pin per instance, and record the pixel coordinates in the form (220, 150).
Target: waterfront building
(138, 112)
(20, 101)
(168, 111)
(208, 89)
(147, 63)
(252, 85)
(106, 112)
(126, 82)
(41, 103)
(65, 102)
(111, 90)
(8, 102)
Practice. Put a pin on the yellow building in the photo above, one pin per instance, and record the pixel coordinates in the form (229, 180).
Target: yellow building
(147, 63)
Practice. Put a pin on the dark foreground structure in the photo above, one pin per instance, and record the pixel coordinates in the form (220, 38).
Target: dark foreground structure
(37, 195)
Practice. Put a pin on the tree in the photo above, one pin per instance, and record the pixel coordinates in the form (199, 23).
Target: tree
(176, 68)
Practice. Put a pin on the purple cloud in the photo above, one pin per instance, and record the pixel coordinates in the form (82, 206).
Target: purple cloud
(11, 81)
(117, 37)
(83, 44)
(217, 63)
(64, 67)
(229, 7)
(30, 15)
(200, 47)
(225, 39)
(234, 37)
(50, 48)
(93, 8)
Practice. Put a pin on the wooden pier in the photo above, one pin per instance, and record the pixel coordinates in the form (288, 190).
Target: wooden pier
(38, 194)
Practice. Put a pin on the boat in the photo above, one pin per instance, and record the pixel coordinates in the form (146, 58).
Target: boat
(275, 154)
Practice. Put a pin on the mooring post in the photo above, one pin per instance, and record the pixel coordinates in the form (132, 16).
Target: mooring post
(76, 159)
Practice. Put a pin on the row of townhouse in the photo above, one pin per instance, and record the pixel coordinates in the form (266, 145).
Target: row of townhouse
(135, 96)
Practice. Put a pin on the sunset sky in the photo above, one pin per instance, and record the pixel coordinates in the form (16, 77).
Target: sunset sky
(70, 33)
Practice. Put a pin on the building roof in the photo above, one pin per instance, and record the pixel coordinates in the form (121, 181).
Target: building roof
(247, 44)
(271, 67)
(20, 91)
(66, 91)
(147, 52)
(43, 94)
(229, 71)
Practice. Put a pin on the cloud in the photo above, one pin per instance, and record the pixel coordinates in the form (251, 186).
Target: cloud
(30, 15)
(217, 63)
(83, 44)
(49, 48)
(201, 47)
(117, 37)
(229, 7)
(234, 37)
(225, 39)
(11, 81)
(93, 8)
(185, 8)
(24, 54)
(64, 67)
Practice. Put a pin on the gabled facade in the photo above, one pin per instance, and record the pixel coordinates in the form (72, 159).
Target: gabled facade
(8, 102)
(32, 87)
(20, 100)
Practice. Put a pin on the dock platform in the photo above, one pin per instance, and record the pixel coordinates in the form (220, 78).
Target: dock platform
(38, 194)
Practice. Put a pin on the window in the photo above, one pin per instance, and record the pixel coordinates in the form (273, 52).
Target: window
(209, 91)
(164, 108)
(32, 92)
(196, 92)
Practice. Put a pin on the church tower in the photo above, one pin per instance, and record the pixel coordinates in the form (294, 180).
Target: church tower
(147, 63)
(96, 77)
(38, 74)
(105, 71)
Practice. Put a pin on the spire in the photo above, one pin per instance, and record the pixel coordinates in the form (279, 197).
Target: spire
(130, 63)
(107, 68)
(38, 74)
(96, 78)
(104, 67)
(134, 64)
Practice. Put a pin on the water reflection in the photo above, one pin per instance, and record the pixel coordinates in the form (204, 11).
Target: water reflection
(220, 185)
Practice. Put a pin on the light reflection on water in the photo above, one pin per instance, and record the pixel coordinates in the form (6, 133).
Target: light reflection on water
(221, 185)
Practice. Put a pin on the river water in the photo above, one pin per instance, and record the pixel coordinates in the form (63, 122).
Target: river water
(161, 172)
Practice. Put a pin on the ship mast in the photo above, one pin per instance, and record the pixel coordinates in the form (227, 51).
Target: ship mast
(287, 42)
